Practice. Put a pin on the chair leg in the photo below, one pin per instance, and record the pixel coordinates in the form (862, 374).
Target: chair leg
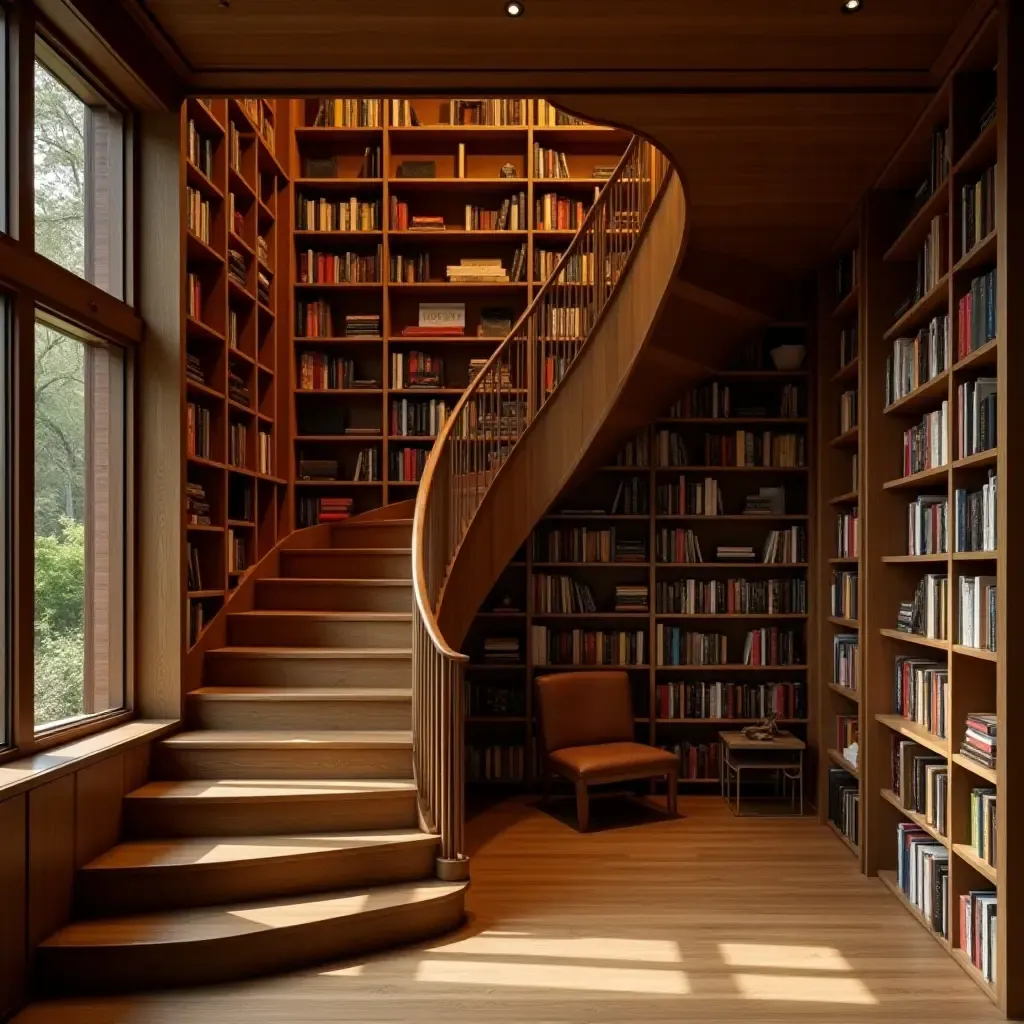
(671, 788)
(582, 805)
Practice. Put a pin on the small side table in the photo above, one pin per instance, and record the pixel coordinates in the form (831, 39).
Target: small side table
(782, 756)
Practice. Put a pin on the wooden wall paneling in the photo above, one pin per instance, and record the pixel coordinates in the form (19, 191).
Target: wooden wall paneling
(135, 764)
(1010, 466)
(13, 886)
(99, 795)
(160, 475)
(51, 857)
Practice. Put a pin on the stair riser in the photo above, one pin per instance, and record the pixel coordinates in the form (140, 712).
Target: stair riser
(111, 892)
(122, 967)
(296, 631)
(328, 596)
(250, 715)
(381, 535)
(150, 819)
(292, 763)
(346, 565)
(251, 670)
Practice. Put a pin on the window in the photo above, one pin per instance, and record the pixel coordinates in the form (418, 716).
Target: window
(79, 527)
(79, 175)
(6, 702)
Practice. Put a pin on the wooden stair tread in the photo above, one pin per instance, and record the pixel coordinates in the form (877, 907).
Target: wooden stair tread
(271, 790)
(355, 581)
(271, 693)
(216, 852)
(323, 616)
(231, 921)
(338, 739)
(315, 652)
(369, 524)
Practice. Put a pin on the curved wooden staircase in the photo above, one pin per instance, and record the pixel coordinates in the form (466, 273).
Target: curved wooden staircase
(282, 827)
(313, 808)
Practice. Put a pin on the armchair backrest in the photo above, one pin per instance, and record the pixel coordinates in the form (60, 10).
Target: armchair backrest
(578, 709)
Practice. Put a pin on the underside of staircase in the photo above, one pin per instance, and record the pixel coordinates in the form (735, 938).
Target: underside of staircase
(281, 827)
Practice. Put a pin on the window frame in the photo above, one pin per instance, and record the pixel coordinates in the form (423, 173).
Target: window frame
(37, 289)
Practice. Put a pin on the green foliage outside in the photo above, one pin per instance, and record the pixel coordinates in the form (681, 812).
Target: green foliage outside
(60, 413)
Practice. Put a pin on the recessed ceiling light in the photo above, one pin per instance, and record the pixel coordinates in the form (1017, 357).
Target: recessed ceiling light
(514, 8)
(849, 6)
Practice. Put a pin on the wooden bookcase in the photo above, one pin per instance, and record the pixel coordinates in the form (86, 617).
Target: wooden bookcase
(508, 720)
(233, 336)
(889, 231)
(336, 425)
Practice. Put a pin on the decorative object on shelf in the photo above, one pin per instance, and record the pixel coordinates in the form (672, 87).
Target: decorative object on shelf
(788, 357)
(509, 171)
(765, 730)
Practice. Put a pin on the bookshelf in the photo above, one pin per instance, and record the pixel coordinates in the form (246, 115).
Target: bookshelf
(616, 588)
(234, 223)
(932, 347)
(397, 388)
(839, 483)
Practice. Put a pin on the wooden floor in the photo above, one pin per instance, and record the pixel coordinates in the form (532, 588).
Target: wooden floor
(706, 918)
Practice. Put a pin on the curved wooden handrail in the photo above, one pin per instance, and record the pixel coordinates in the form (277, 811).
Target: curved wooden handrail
(487, 422)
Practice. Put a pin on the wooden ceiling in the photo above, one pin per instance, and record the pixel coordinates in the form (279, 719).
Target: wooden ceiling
(779, 115)
(588, 37)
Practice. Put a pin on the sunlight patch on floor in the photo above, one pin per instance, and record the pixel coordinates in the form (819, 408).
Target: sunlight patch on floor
(804, 989)
(574, 977)
(799, 958)
(654, 951)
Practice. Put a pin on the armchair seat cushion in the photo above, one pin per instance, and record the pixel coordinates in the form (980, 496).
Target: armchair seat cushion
(612, 759)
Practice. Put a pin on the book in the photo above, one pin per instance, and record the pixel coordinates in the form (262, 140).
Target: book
(448, 316)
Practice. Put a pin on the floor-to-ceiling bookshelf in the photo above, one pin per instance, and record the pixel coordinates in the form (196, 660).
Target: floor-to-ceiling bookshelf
(838, 668)
(371, 154)
(628, 497)
(931, 316)
(235, 191)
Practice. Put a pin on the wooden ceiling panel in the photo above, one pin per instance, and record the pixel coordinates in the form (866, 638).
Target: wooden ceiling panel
(576, 35)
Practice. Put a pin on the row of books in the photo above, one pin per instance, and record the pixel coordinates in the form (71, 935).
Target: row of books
(502, 650)
(196, 615)
(198, 213)
(926, 614)
(578, 269)
(843, 594)
(926, 444)
(416, 369)
(977, 210)
(193, 296)
(635, 452)
(368, 113)
(197, 430)
(264, 452)
(675, 645)
(200, 148)
(320, 371)
(197, 507)
(318, 213)
(983, 823)
(238, 267)
(732, 597)
(632, 497)
(552, 212)
(920, 779)
(317, 318)
(847, 736)
(563, 323)
(418, 418)
(496, 763)
(237, 445)
(238, 389)
(367, 465)
(977, 612)
(340, 112)
(915, 361)
(729, 700)
(579, 544)
(933, 256)
(976, 315)
(714, 401)
(922, 873)
(632, 597)
(702, 498)
(844, 803)
(976, 516)
(587, 646)
(920, 690)
(846, 660)
(976, 416)
(848, 533)
(339, 268)
(313, 511)
(336, 165)
(406, 465)
(927, 525)
(238, 551)
(978, 917)
(195, 575)
(698, 761)
(755, 448)
(847, 410)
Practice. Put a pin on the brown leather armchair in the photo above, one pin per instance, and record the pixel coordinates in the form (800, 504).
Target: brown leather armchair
(586, 735)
